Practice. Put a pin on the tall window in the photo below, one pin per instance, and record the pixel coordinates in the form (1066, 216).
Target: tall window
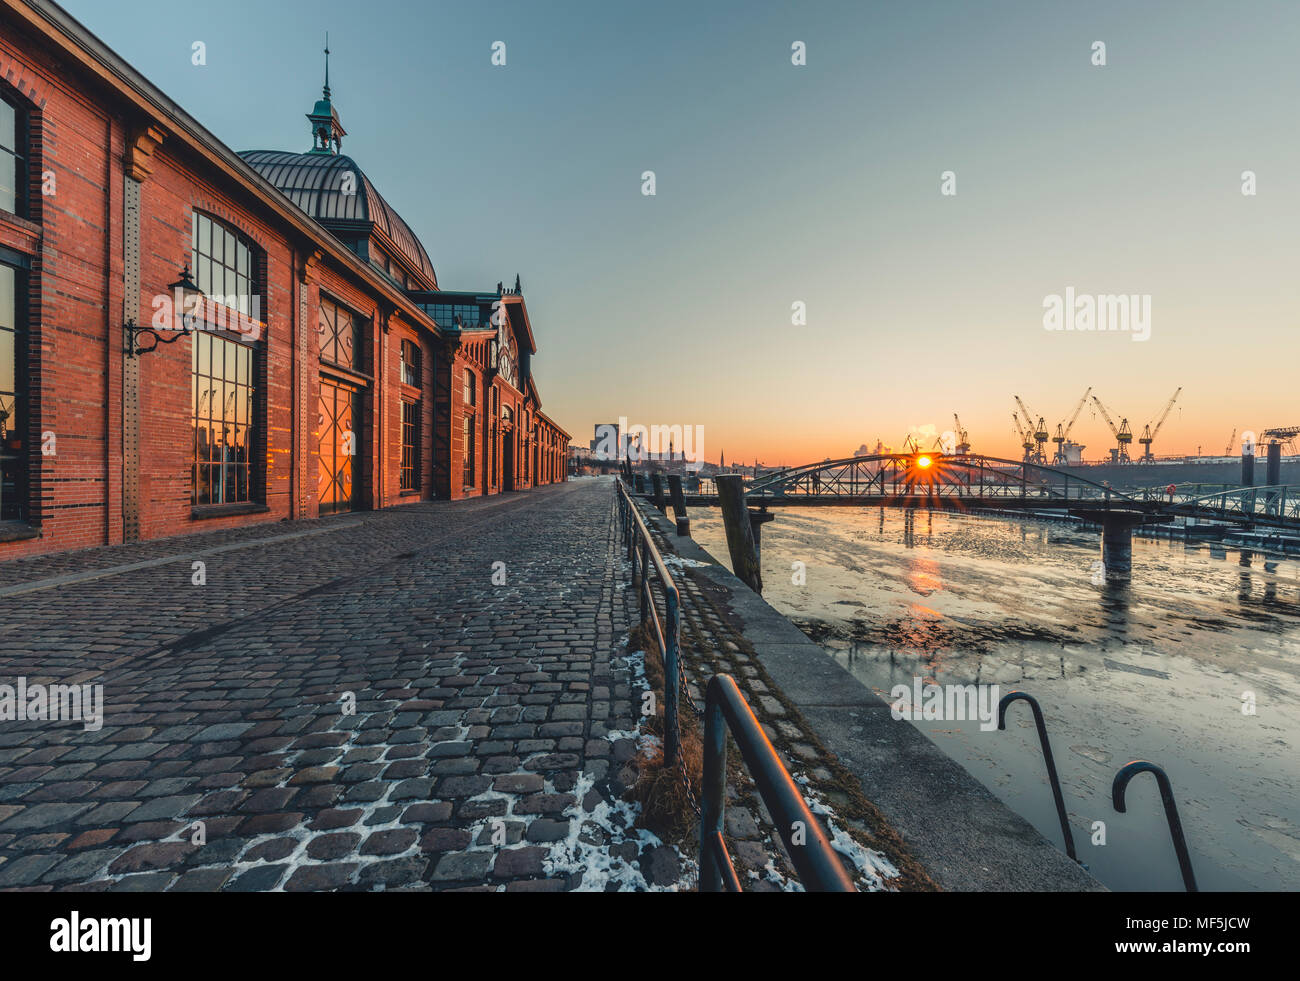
(410, 479)
(411, 414)
(471, 395)
(410, 363)
(224, 383)
(341, 335)
(13, 403)
(222, 263)
(13, 159)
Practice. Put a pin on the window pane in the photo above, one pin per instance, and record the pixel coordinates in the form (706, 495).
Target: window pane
(8, 297)
(6, 371)
(8, 127)
(8, 182)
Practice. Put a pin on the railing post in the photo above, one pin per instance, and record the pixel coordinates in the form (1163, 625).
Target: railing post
(714, 789)
(644, 588)
(672, 676)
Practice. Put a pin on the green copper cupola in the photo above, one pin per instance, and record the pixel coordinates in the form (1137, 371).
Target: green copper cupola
(326, 130)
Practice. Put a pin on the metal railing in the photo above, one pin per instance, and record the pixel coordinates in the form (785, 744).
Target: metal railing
(1120, 786)
(816, 862)
(1046, 745)
(645, 556)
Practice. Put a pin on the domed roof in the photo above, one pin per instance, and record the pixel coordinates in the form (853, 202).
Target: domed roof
(318, 184)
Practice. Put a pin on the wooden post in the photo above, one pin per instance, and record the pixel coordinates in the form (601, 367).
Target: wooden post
(657, 479)
(740, 534)
(679, 505)
(756, 521)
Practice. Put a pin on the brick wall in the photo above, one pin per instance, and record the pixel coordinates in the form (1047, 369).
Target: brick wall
(75, 239)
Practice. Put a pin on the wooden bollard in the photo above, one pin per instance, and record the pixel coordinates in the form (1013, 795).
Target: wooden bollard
(679, 505)
(756, 521)
(740, 533)
(658, 480)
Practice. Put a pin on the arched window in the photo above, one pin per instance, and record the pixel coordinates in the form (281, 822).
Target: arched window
(221, 259)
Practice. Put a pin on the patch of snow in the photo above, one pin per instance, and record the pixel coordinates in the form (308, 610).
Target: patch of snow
(681, 562)
(873, 867)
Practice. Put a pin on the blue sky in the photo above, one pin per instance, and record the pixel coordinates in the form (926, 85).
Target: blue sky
(818, 184)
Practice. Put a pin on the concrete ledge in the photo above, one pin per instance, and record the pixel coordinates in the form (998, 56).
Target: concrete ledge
(966, 838)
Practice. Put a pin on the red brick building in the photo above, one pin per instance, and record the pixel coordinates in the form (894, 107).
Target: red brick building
(192, 338)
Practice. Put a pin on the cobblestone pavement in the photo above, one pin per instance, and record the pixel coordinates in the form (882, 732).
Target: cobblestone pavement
(225, 703)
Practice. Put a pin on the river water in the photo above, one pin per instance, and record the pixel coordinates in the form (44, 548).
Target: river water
(1159, 669)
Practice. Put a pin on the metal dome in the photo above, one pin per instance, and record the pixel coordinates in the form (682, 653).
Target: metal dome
(318, 184)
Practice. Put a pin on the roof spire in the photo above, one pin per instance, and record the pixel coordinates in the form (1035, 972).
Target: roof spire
(326, 131)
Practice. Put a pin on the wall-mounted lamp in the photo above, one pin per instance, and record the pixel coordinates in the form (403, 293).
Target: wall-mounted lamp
(183, 292)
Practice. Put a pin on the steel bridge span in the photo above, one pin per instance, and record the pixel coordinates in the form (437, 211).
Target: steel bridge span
(973, 482)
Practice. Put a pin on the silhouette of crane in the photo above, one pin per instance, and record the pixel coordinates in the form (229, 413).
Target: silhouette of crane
(963, 437)
(1123, 434)
(1063, 431)
(1149, 435)
(1026, 441)
(1039, 432)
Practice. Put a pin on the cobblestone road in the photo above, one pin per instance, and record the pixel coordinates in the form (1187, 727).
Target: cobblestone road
(222, 701)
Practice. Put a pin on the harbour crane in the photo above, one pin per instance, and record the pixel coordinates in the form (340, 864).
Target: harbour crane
(1149, 435)
(1283, 434)
(1123, 434)
(1231, 439)
(1063, 431)
(1038, 431)
(963, 437)
(1026, 441)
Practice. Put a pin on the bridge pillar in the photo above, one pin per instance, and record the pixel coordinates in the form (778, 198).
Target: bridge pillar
(740, 531)
(1273, 468)
(1117, 545)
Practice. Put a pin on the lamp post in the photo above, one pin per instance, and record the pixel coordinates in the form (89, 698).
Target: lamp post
(183, 292)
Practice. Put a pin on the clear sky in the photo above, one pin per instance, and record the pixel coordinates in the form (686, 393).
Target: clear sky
(819, 184)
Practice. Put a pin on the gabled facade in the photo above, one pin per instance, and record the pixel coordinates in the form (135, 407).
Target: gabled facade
(320, 371)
